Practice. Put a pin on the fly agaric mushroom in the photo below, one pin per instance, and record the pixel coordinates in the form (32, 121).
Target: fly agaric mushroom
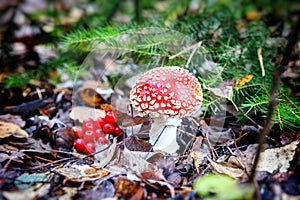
(166, 94)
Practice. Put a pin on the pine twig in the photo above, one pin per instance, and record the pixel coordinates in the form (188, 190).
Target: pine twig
(273, 95)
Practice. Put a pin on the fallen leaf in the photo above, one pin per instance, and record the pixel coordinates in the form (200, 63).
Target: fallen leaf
(26, 180)
(226, 168)
(199, 152)
(135, 161)
(133, 143)
(163, 186)
(242, 81)
(105, 154)
(277, 158)
(89, 97)
(9, 129)
(69, 172)
(16, 119)
(153, 175)
(80, 173)
(81, 113)
(245, 157)
(128, 189)
(126, 120)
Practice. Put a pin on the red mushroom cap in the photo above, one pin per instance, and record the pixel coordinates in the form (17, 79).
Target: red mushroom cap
(166, 91)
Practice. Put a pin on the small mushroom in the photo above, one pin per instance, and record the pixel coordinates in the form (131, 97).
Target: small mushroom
(166, 94)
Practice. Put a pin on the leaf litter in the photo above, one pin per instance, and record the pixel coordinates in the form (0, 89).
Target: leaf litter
(127, 167)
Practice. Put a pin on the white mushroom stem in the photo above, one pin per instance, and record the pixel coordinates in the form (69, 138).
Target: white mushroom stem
(163, 134)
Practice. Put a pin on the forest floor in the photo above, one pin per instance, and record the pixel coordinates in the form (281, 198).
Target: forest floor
(42, 122)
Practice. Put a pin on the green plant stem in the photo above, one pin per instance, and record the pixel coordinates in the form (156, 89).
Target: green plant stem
(273, 95)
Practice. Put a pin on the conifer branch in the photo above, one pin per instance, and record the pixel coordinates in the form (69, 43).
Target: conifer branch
(273, 95)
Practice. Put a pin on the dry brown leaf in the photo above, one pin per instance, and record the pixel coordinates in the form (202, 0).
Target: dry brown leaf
(135, 161)
(199, 152)
(153, 175)
(133, 143)
(89, 97)
(277, 158)
(128, 189)
(245, 157)
(105, 156)
(69, 172)
(226, 168)
(80, 173)
(9, 129)
(81, 113)
(126, 120)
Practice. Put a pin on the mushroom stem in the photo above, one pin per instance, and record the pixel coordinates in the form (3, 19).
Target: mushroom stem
(163, 134)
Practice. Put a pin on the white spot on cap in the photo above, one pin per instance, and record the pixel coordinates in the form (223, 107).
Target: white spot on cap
(159, 97)
(152, 102)
(162, 105)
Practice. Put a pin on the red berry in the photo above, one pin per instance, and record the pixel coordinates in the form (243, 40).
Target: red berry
(89, 136)
(88, 126)
(100, 121)
(89, 148)
(79, 145)
(117, 131)
(110, 117)
(102, 140)
(99, 132)
(78, 133)
(108, 128)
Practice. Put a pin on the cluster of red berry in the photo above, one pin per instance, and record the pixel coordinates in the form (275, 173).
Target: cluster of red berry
(95, 131)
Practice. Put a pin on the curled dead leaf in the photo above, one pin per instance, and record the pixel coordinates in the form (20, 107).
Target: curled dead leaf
(9, 129)
(80, 173)
(226, 168)
(89, 97)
